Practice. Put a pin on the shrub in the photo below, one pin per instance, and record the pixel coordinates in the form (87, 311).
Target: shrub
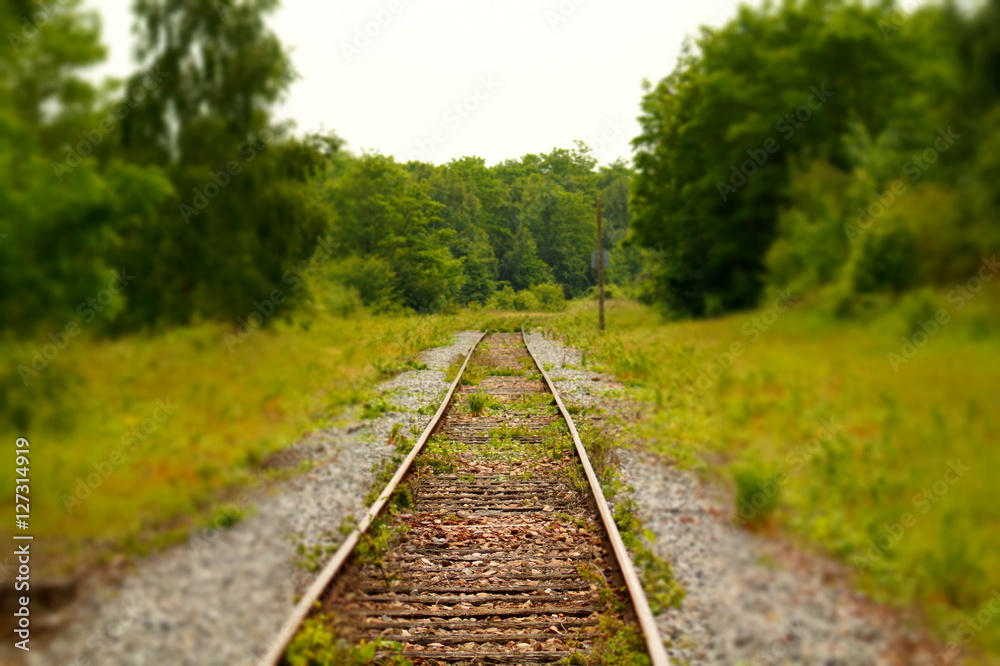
(550, 297)
(757, 495)
(502, 299)
(885, 259)
(525, 301)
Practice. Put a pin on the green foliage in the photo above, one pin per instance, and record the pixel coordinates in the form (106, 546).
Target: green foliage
(757, 495)
(884, 261)
(384, 224)
(62, 212)
(538, 298)
(549, 297)
(479, 402)
(208, 119)
(375, 408)
(316, 644)
(733, 192)
(364, 280)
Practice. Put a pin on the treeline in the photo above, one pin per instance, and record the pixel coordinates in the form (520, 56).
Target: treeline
(182, 176)
(825, 146)
(426, 237)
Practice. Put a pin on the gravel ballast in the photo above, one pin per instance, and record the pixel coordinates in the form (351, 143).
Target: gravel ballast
(749, 600)
(220, 599)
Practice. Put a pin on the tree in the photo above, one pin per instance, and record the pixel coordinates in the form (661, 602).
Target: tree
(242, 215)
(376, 208)
(65, 203)
(712, 161)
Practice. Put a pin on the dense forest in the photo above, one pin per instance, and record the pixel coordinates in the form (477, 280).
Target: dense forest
(184, 179)
(812, 145)
(822, 146)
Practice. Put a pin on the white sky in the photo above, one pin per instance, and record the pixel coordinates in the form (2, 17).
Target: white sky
(553, 82)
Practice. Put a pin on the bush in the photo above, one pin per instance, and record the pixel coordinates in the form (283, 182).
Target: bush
(757, 495)
(525, 301)
(550, 297)
(371, 279)
(885, 260)
(528, 300)
(502, 299)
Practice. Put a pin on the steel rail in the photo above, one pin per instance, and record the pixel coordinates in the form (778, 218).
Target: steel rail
(644, 615)
(640, 604)
(333, 567)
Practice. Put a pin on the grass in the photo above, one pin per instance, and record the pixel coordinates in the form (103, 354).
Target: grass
(316, 644)
(892, 472)
(480, 402)
(135, 441)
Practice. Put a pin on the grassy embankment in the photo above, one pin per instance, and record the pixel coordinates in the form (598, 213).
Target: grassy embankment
(136, 441)
(891, 472)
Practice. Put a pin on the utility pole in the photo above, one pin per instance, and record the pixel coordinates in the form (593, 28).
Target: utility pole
(600, 266)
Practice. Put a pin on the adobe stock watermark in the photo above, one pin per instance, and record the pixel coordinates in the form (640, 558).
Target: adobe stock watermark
(456, 116)
(966, 631)
(228, 514)
(786, 126)
(958, 297)
(31, 25)
(265, 308)
(777, 652)
(914, 168)
(892, 533)
(562, 12)
(752, 330)
(255, 143)
(222, 8)
(109, 633)
(794, 461)
(610, 133)
(893, 20)
(95, 136)
(87, 310)
(365, 34)
(130, 440)
(257, 656)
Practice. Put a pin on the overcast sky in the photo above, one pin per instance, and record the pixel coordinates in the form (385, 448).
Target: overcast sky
(440, 79)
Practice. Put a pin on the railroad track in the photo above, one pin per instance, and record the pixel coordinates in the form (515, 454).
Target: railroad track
(492, 544)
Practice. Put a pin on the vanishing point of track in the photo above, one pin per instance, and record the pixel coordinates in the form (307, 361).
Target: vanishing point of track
(500, 548)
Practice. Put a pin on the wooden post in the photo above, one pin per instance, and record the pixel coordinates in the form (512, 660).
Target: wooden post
(600, 266)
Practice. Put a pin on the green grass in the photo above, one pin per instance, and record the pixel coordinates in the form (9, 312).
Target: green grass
(479, 402)
(136, 441)
(860, 459)
(316, 644)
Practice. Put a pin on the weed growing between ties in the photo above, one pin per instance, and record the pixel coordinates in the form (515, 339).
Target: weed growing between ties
(534, 404)
(479, 402)
(316, 644)
(440, 456)
(616, 643)
(662, 588)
